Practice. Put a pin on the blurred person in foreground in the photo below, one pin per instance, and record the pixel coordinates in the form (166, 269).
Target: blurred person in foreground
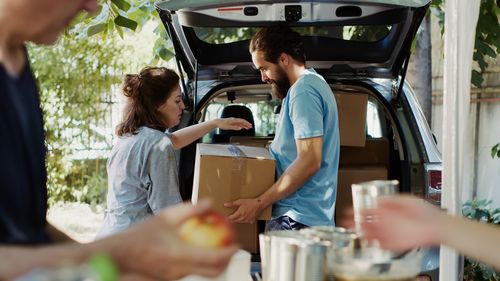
(151, 250)
(403, 222)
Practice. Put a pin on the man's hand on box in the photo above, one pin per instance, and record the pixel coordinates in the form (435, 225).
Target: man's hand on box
(247, 212)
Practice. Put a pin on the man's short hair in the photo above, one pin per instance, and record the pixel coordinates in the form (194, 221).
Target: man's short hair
(274, 40)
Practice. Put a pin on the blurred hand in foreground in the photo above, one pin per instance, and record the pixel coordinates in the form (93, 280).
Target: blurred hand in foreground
(403, 222)
(155, 250)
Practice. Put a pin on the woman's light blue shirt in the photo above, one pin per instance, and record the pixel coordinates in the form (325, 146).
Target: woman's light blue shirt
(142, 179)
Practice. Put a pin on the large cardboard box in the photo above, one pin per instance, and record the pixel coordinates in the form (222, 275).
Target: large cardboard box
(346, 177)
(228, 172)
(352, 118)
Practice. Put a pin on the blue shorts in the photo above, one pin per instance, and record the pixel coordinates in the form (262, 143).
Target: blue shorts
(284, 223)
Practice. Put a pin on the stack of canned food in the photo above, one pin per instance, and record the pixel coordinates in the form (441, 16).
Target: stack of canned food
(327, 253)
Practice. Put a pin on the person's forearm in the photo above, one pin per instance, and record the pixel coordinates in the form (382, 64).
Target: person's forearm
(473, 239)
(57, 235)
(185, 136)
(292, 179)
(17, 260)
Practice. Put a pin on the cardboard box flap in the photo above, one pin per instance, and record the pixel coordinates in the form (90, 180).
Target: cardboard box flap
(259, 141)
(232, 150)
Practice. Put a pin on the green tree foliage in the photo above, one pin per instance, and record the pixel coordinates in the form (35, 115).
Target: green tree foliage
(495, 150)
(75, 79)
(480, 210)
(487, 41)
(117, 16)
(77, 75)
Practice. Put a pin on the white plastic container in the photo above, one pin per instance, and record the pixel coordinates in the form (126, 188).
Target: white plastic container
(238, 269)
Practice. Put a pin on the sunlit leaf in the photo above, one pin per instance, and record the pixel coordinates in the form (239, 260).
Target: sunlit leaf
(125, 22)
(476, 78)
(120, 31)
(165, 54)
(495, 151)
(121, 4)
(103, 15)
(94, 29)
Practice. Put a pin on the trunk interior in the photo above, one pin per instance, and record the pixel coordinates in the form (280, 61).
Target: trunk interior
(378, 155)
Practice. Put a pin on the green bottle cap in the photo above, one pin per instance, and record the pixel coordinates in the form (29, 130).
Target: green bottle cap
(104, 267)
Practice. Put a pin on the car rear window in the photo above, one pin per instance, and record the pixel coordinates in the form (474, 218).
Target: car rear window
(224, 35)
(263, 114)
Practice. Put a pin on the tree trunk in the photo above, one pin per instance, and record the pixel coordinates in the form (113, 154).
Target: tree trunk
(421, 71)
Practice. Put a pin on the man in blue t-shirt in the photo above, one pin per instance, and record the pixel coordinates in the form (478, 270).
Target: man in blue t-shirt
(305, 192)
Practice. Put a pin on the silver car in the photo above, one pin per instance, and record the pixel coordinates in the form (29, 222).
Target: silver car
(360, 47)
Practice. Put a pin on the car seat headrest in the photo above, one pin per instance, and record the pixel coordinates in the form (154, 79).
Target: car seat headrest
(238, 111)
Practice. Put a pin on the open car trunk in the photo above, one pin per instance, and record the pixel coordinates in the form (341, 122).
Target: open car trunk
(381, 155)
(370, 39)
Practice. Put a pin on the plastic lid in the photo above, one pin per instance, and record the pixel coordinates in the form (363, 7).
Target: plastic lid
(104, 266)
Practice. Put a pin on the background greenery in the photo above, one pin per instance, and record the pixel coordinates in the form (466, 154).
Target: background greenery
(480, 210)
(76, 78)
(487, 41)
(79, 75)
(495, 151)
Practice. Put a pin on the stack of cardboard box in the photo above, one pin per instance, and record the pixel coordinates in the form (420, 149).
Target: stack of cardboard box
(360, 164)
(234, 171)
(361, 159)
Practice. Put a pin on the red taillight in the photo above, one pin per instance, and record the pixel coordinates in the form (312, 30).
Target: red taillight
(434, 185)
(435, 179)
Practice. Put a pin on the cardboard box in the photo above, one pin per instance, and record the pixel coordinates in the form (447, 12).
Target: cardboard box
(251, 141)
(228, 172)
(247, 235)
(375, 152)
(352, 118)
(346, 177)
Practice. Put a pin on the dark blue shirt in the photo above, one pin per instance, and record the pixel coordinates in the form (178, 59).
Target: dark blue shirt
(23, 191)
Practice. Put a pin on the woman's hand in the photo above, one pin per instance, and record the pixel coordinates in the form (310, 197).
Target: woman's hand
(232, 123)
(187, 135)
(403, 222)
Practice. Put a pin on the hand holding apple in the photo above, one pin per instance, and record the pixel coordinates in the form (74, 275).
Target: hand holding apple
(208, 230)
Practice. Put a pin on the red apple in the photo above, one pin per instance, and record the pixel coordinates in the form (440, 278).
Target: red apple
(208, 230)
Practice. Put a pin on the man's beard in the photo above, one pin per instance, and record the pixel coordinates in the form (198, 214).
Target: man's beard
(280, 85)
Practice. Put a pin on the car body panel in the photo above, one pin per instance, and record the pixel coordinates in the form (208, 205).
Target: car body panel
(380, 57)
(375, 67)
(194, 4)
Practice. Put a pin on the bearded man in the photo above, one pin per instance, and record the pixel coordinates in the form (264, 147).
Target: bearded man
(305, 192)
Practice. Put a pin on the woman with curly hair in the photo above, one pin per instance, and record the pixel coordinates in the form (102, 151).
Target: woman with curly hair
(142, 168)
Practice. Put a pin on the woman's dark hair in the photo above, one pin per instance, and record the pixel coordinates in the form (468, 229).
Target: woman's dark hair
(145, 92)
(274, 40)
